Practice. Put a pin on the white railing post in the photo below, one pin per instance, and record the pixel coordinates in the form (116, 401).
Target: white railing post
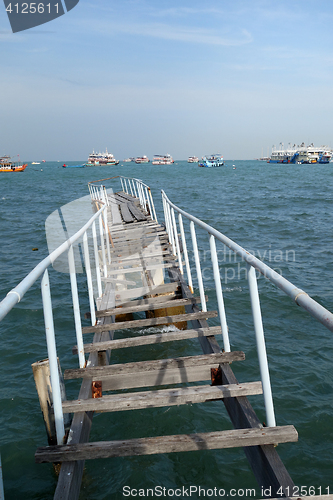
(152, 204)
(134, 187)
(219, 293)
(148, 201)
(198, 267)
(261, 347)
(89, 278)
(107, 235)
(187, 262)
(98, 273)
(177, 241)
(53, 359)
(130, 185)
(76, 307)
(101, 234)
(122, 184)
(171, 230)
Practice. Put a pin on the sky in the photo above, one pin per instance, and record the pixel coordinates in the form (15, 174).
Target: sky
(185, 77)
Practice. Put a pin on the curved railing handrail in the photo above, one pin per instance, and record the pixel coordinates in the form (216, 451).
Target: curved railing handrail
(16, 294)
(297, 294)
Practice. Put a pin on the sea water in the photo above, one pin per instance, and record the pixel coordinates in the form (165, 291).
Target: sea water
(283, 215)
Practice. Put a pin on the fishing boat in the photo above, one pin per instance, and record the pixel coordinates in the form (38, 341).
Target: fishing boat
(7, 165)
(101, 159)
(129, 160)
(215, 160)
(162, 160)
(192, 159)
(142, 159)
(301, 154)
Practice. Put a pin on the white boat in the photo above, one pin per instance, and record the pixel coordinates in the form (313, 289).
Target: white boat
(192, 159)
(101, 159)
(301, 154)
(215, 160)
(162, 160)
(142, 159)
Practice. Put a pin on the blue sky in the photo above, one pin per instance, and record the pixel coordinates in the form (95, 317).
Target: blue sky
(179, 77)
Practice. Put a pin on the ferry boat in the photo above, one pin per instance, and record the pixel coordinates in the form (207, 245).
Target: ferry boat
(142, 159)
(162, 160)
(129, 160)
(192, 159)
(7, 165)
(301, 154)
(100, 159)
(215, 160)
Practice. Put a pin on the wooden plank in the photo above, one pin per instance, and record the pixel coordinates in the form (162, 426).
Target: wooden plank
(125, 213)
(124, 295)
(159, 299)
(172, 376)
(136, 212)
(162, 397)
(137, 323)
(153, 365)
(168, 444)
(156, 338)
(139, 269)
(146, 307)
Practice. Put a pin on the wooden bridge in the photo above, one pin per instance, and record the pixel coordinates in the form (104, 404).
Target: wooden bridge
(144, 276)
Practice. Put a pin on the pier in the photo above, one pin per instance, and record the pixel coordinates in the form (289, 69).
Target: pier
(137, 264)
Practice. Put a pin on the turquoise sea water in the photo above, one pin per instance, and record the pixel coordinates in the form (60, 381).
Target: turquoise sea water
(283, 214)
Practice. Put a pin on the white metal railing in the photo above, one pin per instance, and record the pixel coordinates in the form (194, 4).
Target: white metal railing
(299, 296)
(130, 186)
(17, 293)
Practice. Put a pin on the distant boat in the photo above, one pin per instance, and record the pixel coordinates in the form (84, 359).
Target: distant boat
(128, 160)
(35, 163)
(101, 159)
(215, 160)
(142, 159)
(192, 159)
(162, 160)
(7, 165)
(301, 154)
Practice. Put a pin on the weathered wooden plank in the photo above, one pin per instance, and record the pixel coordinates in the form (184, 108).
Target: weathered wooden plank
(125, 295)
(136, 212)
(125, 213)
(172, 376)
(162, 397)
(156, 338)
(150, 322)
(168, 444)
(146, 307)
(142, 257)
(159, 299)
(154, 365)
(139, 269)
